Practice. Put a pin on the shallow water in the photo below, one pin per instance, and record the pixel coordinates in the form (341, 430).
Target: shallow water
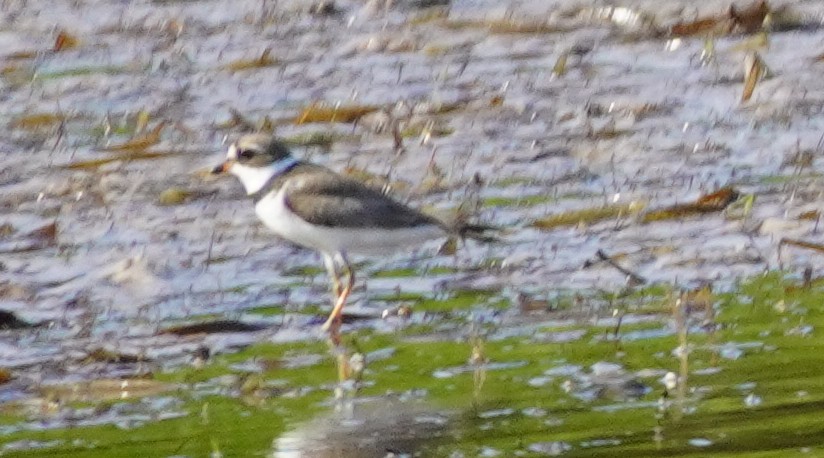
(488, 122)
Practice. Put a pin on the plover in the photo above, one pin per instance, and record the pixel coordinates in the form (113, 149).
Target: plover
(312, 206)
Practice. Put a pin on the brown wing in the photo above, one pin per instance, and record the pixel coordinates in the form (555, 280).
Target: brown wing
(322, 197)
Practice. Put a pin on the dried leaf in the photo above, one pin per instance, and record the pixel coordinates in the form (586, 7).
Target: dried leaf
(811, 215)
(430, 15)
(17, 75)
(708, 51)
(142, 121)
(173, 196)
(47, 233)
(710, 203)
(449, 247)
(105, 390)
(701, 298)
(588, 216)
(65, 41)
(504, 26)
(754, 70)
(560, 67)
(265, 60)
(432, 50)
(719, 199)
(5, 376)
(632, 277)
(709, 26)
(6, 230)
(802, 244)
(20, 55)
(751, 19)
(339, 113)
(213, 327)
(528, 304)
(101, 355)
(139, 143)
(740, 208)
(758, 41)
(37, 121)
(127, 156)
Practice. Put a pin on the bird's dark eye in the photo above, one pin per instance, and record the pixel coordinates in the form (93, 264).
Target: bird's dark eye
(245, 154)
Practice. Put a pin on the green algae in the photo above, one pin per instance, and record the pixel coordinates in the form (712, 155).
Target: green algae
(406, 272)
(519, 201)
(770, 321)
(87, 71)
(454, 301)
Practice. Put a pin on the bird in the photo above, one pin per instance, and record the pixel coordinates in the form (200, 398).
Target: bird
(312, 206)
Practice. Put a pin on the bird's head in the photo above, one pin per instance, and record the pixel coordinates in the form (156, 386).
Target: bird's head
(254, 159)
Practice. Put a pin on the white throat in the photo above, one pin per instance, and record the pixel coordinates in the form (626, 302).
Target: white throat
(255, 178)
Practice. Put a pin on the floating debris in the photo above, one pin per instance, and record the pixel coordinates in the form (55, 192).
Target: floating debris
(588, 215)
(105, 390)
(213, 327)
(47, 233)
(125, 157)
(319, 112)
(504, 26)
(754, 71)
(42, 237)
(802, 244)
(733, 21)
(139, 143)
(707, 55)
(634, 278)
(6, 230)
(560, 67)
(710, 203)
(65, 41)
(264, 60)
(38, 121)
(173, 196)
(102, 355)
(528, 303)
(760, 40)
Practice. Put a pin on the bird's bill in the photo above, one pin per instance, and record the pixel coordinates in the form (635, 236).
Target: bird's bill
(223, 167)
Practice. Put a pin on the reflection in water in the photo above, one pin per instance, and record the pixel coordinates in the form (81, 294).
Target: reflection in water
(376, 427)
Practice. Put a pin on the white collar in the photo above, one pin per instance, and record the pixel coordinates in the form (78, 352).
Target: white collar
(255, 178)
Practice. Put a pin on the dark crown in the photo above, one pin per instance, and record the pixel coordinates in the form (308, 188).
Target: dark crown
(260, 150)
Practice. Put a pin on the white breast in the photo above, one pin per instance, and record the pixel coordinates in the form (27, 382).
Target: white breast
(277, 216)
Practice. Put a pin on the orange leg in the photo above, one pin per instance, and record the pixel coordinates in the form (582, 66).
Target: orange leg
(334, 321)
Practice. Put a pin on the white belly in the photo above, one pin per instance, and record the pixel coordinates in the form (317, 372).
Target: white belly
(277, 216)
